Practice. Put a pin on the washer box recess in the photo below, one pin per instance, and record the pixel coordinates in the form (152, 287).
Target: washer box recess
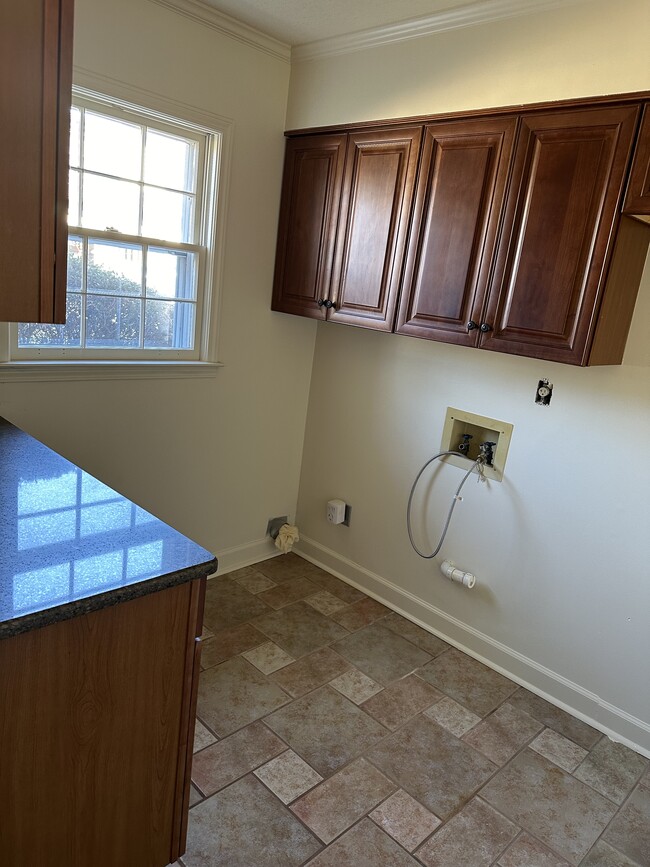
(481, 428)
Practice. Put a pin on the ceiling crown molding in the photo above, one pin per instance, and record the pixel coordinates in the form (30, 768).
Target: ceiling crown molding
(207, 15)
(438, 22)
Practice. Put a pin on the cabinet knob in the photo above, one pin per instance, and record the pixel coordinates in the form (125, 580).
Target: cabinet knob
(320, 302)
(329, 304)
(471, 325)
(484, 327)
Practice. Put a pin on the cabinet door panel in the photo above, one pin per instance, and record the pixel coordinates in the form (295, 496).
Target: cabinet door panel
(554, 251)
(458, 204)
(35, 95)
(311, 192)
(637, 200)
(375, 210)
(89, 752)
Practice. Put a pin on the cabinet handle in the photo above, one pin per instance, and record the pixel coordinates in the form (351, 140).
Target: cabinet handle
(484, 327)
(471, 325)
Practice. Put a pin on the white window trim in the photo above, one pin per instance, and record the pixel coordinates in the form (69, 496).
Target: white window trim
(108, 90)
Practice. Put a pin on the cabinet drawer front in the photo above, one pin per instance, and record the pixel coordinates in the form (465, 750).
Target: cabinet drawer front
(458, 204)
(375, 210)
(311, 192)
(567, 184)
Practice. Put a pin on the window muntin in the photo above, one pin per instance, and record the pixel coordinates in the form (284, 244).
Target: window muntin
(139, 231)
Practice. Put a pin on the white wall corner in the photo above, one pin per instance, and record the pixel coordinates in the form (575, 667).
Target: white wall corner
(614, 722)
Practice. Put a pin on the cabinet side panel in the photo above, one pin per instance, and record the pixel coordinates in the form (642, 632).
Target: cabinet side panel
(88, 753)
(637, 199)
(22, 27)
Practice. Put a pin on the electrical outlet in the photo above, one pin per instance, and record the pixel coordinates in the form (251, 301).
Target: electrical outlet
(544, 392)
(336, 511)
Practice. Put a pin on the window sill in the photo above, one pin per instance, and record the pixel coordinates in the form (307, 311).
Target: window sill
(68, 371)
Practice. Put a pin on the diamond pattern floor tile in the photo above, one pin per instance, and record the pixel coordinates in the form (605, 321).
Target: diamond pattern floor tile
(336, 804)
(326, 729)
(246, 825)
(288, 776)
(224, 762)
(476, 835)
(468, 681)
(380, 653)
(365, 845)
(229, 604)
(397, 749)
(612, 770)
(299, 629)
(407, 821)
(553, 806)
(234, 694)
(400, 701)
(311, 671)
(528, 852)
(555, 718)
(630, 830)
(432, 765)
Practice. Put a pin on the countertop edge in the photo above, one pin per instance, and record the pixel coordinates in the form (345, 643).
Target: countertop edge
(115, 596)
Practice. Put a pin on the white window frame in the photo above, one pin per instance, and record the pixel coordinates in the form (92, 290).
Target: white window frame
(44, 363)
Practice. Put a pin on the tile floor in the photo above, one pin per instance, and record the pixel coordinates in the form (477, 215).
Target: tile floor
(333, 732)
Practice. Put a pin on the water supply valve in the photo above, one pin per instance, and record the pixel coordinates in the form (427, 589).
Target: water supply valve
(486, 451)
(463, 447)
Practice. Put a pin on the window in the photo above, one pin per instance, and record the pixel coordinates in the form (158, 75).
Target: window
(142, 190)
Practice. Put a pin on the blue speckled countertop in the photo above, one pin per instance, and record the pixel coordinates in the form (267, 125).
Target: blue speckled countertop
(69, 544)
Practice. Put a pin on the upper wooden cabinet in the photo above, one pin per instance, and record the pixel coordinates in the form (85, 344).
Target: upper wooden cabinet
(513, 240)
(35, 95)
(344, 216)
(313, 171)
(373, 224)
(459, 200)
(550, 267)
(637, 199)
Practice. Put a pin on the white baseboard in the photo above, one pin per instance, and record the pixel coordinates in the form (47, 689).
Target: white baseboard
(245, 555)
(613, 721)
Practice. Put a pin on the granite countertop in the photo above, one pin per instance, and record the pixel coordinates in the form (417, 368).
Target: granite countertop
(69, 544)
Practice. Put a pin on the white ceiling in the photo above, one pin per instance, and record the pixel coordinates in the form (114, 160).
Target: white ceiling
(301, 21)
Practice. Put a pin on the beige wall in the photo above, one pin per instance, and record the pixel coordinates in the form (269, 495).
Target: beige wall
(561, 548)
(216, 457)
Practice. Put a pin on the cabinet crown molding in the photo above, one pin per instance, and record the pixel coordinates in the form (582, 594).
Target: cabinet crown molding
(479, 12)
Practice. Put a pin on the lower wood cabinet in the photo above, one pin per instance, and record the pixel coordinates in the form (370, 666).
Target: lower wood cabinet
(500, 230)
(96, 734)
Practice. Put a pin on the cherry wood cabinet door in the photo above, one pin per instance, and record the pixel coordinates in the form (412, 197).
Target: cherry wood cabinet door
(561, 218)
(459, 200)
(35, 96)
(373, 226)
(95, 734)
(311, 190)
(637, 200)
